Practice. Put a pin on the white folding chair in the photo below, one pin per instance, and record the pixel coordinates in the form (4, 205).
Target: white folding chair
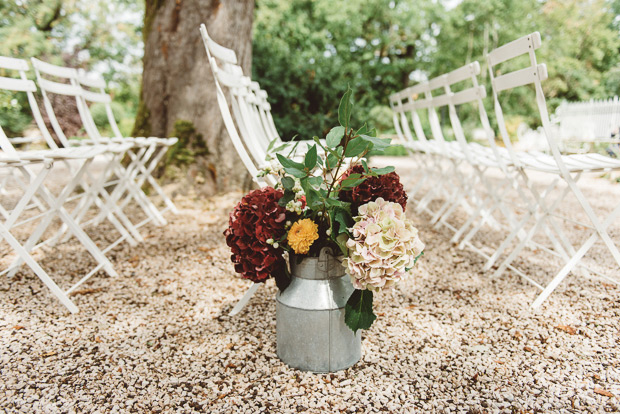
(250, 108)
(124, 179)
(476, 186)
(233, 133)
(10, 217)
(418, 149)
(32, 185)
(152, 149)
(565, 168)
(446, 158)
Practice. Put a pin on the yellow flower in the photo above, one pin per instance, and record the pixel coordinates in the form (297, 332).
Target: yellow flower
(302, 234)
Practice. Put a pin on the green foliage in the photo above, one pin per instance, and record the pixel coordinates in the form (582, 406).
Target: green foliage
(306, 52)
(103, 35)
(358, 310)
(381, 116)
(14, 118)
(100, 115)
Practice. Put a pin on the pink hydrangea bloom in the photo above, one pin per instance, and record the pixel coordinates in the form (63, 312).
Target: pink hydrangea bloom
(384, 246)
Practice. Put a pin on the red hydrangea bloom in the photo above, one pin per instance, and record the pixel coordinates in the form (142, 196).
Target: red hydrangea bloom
(257, 218)
(387, 186)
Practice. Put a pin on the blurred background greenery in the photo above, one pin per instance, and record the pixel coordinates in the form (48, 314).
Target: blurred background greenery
(305, 52)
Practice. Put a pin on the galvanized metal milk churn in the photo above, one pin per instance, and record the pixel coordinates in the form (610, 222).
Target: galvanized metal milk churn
(311, 332)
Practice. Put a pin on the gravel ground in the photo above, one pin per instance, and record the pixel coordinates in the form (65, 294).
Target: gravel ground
(158, 337)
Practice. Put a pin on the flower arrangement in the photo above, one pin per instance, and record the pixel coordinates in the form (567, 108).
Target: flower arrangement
(329, 200)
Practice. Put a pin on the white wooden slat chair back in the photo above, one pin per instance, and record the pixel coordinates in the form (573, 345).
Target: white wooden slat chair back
(148, 153)
(72, 88)
(246, 116)
(251, 110)
(94, 91)
(222, 102)
(23, 84)
(233, 133)
(408, 100)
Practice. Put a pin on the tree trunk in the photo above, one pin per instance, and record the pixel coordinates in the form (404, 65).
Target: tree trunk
(178, 91)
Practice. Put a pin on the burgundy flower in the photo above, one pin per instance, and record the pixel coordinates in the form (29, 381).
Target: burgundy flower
(387, 186)
(257, 218)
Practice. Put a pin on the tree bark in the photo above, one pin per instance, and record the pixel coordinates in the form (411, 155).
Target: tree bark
(177, 84)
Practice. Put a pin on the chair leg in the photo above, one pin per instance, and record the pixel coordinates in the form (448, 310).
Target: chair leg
(38, 270)
(575, 259)
(245, 299)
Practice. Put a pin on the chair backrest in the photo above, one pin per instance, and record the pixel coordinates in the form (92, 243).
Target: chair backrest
(264, 112)
(533, 74)
(405, 101)
(257, 111)
(243, 114)
(94, 91)
(230, 82)
(43, 71)
(474, 93)
(24, 85)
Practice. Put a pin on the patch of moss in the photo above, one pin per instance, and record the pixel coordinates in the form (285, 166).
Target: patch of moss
(142, 126)
(190, 145)
(150, 12)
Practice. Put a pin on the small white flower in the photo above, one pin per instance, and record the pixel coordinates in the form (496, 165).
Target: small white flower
(269, 241)
(276, 245)
(320, 214)
(288, 223)
(328, 232)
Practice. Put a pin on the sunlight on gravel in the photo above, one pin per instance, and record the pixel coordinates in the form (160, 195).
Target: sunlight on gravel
(159, 339)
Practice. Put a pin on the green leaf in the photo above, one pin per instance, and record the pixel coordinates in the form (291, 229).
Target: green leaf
(288, 183)
(379, 144)
(280, 148)
(341, 242)
(382, 171)
(345, 108)
(357, 146)
(332, 161)
(358, 312)
(366, 170)
(288, 196)
(315, 182)
(310, 158)
(333, 202)
(295, 172)
(362, 130)
(351, 183)
(288, 163)
(271, 145)
(283, 279)
(312, 196)
(293, 148)
(334, 136)
(343, 218)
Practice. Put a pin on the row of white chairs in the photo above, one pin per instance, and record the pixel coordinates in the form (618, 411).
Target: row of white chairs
(103, 182)
(250, 125)
(493, 185)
